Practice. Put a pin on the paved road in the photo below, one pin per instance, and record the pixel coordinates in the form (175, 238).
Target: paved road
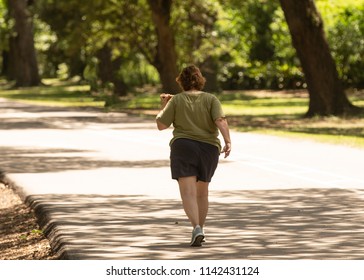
(100, 184)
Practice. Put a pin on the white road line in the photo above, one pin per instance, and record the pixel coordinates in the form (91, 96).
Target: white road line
(300, 168)
(287, 174)
(301, 172)
(296, 171)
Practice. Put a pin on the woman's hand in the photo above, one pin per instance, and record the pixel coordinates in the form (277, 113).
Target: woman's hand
(223, 126)
(226, 149)
(165, 97)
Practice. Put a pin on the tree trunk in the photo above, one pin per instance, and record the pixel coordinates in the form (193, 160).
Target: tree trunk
(22, 52)
(209, 69)
(327, 96)
(165, 59)
(5, 64)
(76, 65)
(108, 71)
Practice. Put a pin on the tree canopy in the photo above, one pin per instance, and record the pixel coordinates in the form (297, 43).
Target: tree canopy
(121, 44)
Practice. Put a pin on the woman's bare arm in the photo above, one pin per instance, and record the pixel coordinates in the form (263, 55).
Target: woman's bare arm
(165, 98)
(223, 126)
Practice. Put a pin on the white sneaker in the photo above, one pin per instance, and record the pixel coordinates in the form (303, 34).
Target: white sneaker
(197, 237)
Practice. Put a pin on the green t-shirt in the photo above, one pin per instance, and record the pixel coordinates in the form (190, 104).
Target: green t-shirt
(193, 115)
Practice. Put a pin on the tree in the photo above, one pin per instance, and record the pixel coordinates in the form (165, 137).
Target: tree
(4, 41)
(197, 41)
(108, 70)
(346, 40)
(68, 22)
(261, 15)
(327, 96)
(22, 54)
(165, 59)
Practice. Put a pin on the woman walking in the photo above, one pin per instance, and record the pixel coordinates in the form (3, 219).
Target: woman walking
(197, 118)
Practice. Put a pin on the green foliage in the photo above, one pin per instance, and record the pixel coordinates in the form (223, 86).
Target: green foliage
(37, 232)
(280, 113)
(248, 40)
(345, 32)
(80, 35)
(3, 14)
(197, 30)
(25, 236)
(272, 112)
(139, 72)
(346, 40)
(263, 57)
(3, 30)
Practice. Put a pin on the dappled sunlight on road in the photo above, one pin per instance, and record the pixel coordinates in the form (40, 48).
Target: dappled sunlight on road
(101, 187)
(296, 223)
(16, 115)
(35, 160)
(264, 224)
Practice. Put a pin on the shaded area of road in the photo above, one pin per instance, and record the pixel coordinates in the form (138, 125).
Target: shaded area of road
(275, 224)
(56, 160)
(22, 116)
(101, 187)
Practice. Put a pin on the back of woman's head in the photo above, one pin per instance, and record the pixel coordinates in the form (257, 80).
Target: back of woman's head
(191, 78)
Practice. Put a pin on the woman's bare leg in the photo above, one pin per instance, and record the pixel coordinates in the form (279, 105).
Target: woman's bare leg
(188, 190)
(202, 201)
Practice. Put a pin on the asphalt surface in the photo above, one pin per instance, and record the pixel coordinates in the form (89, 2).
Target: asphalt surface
(100, 186)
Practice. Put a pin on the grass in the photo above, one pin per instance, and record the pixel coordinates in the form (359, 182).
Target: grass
(53, 93)
(281, 113)
(277, 113)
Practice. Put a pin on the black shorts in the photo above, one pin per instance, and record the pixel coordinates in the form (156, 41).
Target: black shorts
(193, 158)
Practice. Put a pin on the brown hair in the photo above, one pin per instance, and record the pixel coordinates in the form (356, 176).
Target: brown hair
(191, 78)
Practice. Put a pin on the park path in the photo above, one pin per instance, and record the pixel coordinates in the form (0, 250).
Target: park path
(101, 188)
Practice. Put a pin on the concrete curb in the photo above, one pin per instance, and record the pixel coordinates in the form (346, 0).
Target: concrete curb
(44, 218)
(50, 228)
